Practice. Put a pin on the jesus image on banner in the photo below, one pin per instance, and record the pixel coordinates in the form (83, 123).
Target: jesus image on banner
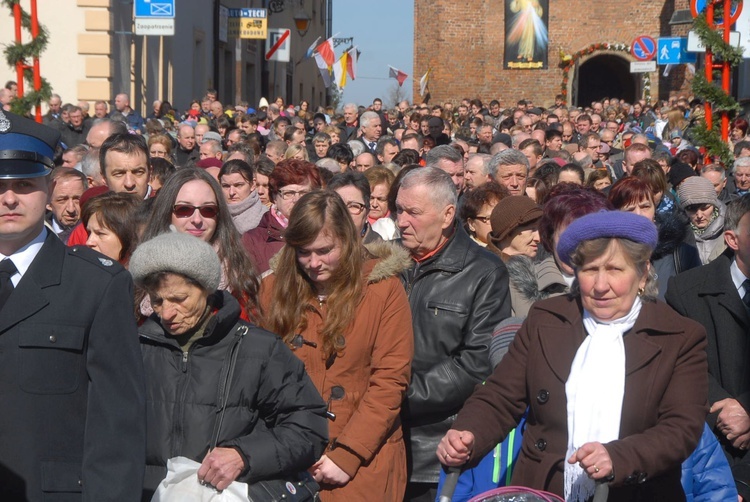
(526, 34)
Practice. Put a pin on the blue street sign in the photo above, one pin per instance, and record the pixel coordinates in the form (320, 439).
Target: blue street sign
(673, 50)
(154, 8)
(643, 48)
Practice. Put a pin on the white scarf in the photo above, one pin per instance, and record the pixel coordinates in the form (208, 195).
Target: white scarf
(594, 392)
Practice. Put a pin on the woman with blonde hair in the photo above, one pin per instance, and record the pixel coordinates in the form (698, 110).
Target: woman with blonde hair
(343, 311)
(296, 152)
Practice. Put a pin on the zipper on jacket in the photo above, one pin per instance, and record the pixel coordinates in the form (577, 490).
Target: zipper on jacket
(179, 427)
(412, 276)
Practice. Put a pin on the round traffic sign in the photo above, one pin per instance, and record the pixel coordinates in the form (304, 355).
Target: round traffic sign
(643, 48)
(698, 6)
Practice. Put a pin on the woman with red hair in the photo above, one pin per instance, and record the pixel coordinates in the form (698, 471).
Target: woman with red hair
(290, 180)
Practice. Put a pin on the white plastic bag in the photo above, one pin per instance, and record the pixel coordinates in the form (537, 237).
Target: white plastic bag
(182, 485)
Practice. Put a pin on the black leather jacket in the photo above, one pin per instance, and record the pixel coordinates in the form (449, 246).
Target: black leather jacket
(457, 298)
(274, 417)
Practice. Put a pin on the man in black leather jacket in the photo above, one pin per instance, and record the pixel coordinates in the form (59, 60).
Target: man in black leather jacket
(458, 293)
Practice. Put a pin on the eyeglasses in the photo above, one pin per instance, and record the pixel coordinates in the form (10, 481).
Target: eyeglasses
(186, 211)
(355, 208)
(483, 219)
(291, 194)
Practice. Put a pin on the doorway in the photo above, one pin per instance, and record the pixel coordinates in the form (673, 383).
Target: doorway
(605, 76)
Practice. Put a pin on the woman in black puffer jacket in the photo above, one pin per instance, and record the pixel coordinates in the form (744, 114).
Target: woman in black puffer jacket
(274, 420)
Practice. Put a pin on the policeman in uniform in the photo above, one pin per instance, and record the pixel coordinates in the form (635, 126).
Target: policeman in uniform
(72, 406)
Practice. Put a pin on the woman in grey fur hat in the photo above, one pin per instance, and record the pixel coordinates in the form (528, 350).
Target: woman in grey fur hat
(191, 344)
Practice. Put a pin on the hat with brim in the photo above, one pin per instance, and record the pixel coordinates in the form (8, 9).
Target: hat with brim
(511, 213)
(26, 147)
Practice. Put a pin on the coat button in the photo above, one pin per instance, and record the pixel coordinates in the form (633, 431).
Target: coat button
(80, 483)
(541, 445)
(543, 396)
(52, 338)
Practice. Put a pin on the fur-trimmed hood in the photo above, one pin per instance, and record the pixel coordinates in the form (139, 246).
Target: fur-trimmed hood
(390, 259)
(674, 229)
(523, 274)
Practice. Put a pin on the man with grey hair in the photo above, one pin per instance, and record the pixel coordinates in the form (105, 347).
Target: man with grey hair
(370, 130)
(91, 169)
(350, 128)
(448, 159)
(53, 117)
(211, 148)
(510, 168)
(741, 175)
(458, 292)
(476, 172)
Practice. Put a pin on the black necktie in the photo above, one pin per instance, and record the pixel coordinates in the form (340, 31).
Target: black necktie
(373, 145)
(7, 269)
(745, 298)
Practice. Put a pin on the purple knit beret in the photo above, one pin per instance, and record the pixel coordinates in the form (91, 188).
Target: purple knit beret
(612, 224)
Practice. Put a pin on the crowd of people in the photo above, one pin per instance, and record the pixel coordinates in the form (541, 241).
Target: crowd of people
(381, 292)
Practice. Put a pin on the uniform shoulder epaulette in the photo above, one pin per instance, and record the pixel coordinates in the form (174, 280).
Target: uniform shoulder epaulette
(98, 259)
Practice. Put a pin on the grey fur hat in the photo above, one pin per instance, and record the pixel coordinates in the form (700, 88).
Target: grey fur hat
(178, 253)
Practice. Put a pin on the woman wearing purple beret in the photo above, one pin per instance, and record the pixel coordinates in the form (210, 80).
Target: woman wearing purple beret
(615, 381)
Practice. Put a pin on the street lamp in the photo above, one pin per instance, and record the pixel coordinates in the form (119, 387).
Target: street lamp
(301, 20)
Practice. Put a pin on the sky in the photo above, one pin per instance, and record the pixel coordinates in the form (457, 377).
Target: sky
(383, 31)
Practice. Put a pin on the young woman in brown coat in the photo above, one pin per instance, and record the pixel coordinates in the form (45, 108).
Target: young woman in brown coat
(343, 311)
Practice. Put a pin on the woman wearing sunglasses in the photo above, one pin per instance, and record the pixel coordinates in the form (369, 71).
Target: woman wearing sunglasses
(192, 202)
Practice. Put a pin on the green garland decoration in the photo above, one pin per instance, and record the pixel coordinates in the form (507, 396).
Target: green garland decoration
(567, 63)
(712, 93)
(15, 52)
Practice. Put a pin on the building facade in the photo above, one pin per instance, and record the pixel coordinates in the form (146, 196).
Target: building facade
(93, 53)
(587, 56)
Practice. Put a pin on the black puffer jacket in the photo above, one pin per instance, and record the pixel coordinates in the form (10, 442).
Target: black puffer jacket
(457, 298)
(274, 415)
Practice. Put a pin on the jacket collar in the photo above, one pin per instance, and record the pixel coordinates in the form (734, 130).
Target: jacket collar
(560, 341)
(30, 296)
(452, 258)
(717, 283)
(221, 322)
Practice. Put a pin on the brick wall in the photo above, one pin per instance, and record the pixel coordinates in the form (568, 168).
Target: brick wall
(463, 44)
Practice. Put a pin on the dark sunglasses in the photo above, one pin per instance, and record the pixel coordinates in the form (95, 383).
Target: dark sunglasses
(186, 211)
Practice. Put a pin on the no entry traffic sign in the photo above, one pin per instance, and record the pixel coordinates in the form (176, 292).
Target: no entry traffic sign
(643, 48)
(278, 45)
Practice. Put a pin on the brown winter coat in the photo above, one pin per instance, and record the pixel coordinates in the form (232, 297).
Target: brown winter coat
(663, 409)
(366, 439)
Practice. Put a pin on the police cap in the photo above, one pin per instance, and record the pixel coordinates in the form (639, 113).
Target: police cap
(26, 147)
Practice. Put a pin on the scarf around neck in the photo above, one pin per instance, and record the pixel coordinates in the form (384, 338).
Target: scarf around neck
(594, 392)
(246, 214)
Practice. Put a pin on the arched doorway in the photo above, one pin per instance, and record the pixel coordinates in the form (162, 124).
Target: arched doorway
(605, 75)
